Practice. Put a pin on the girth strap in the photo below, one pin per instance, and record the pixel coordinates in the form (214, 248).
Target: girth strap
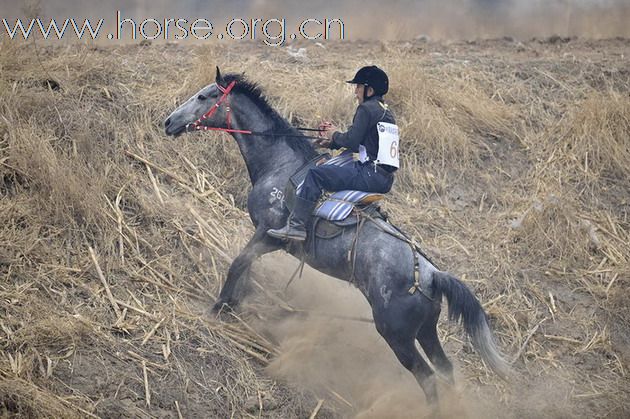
(415, 250)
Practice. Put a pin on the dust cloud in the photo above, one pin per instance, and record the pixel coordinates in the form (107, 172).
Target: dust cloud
(330, 347)
(371, 19)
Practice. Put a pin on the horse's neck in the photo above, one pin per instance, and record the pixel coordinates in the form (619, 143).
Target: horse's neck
(263, 155)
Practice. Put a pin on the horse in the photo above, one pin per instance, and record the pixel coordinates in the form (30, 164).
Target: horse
(385, 268)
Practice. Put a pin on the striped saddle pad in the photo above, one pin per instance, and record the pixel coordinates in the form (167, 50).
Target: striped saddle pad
(340, 204)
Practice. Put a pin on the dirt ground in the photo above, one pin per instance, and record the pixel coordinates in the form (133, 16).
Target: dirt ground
(115, 239)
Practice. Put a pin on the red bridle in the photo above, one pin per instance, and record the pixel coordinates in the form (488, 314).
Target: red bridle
(199, 127)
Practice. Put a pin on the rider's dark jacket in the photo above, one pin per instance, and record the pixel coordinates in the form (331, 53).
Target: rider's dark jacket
(363, 130)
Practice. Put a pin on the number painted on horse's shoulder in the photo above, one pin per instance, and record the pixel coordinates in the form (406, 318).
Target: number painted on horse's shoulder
(277, 195)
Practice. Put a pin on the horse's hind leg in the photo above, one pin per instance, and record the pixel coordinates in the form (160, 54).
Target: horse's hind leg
(427, 338)
(398, 331)
(408, 355)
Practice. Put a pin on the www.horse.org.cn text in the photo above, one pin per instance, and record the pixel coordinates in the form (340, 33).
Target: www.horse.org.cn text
(272, 32)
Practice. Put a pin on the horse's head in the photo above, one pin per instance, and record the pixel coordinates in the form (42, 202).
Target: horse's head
(195, 112)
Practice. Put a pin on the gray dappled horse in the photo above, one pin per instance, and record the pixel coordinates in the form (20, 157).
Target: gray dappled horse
(384, 264)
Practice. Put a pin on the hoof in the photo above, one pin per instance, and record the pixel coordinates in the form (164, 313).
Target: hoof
(434, 411)
(223, 306)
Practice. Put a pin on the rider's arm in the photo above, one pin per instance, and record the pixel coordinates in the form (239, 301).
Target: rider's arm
(356, 134)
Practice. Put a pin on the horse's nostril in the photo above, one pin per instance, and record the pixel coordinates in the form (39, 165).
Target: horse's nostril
(167, 122)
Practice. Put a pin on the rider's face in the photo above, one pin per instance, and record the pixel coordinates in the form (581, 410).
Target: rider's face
(358, 92)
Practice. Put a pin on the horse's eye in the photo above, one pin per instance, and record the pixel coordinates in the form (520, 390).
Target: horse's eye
(201, 97)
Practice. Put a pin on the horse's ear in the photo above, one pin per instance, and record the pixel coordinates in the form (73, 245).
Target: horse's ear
(219, 78)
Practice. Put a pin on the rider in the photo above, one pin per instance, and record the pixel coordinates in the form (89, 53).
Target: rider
(369, 135)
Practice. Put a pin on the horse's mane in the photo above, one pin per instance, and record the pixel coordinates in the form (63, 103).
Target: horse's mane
(254, 92)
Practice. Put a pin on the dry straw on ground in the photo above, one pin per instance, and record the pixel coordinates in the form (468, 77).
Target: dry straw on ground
(115, 239)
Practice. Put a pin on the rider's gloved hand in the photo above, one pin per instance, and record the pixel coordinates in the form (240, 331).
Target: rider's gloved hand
(326, 131)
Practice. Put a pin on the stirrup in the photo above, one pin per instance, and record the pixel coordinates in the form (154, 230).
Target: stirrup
(288, 232)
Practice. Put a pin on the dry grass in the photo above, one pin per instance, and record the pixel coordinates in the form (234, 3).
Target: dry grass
(595, 138)
(500, 151)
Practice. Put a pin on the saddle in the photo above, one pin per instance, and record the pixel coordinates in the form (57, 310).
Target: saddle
(340, 210)
(336, 210)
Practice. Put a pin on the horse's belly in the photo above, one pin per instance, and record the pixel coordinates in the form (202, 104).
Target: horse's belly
(371, 257)
(329, 256)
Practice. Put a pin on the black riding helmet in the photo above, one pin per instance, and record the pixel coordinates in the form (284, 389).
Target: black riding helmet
(373, 77)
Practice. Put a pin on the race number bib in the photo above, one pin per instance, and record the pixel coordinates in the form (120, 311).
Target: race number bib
(387, 144)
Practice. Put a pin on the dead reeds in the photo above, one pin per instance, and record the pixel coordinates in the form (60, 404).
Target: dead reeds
(115, 240)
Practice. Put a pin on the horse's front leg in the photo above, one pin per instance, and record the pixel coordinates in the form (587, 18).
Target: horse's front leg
(258, 245)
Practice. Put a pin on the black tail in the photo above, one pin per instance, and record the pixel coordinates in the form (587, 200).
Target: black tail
(462, 304)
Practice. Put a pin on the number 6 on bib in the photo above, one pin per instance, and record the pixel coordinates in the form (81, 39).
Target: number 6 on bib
(388, 140)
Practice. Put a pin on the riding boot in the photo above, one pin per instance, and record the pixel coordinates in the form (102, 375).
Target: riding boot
(296, 224)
